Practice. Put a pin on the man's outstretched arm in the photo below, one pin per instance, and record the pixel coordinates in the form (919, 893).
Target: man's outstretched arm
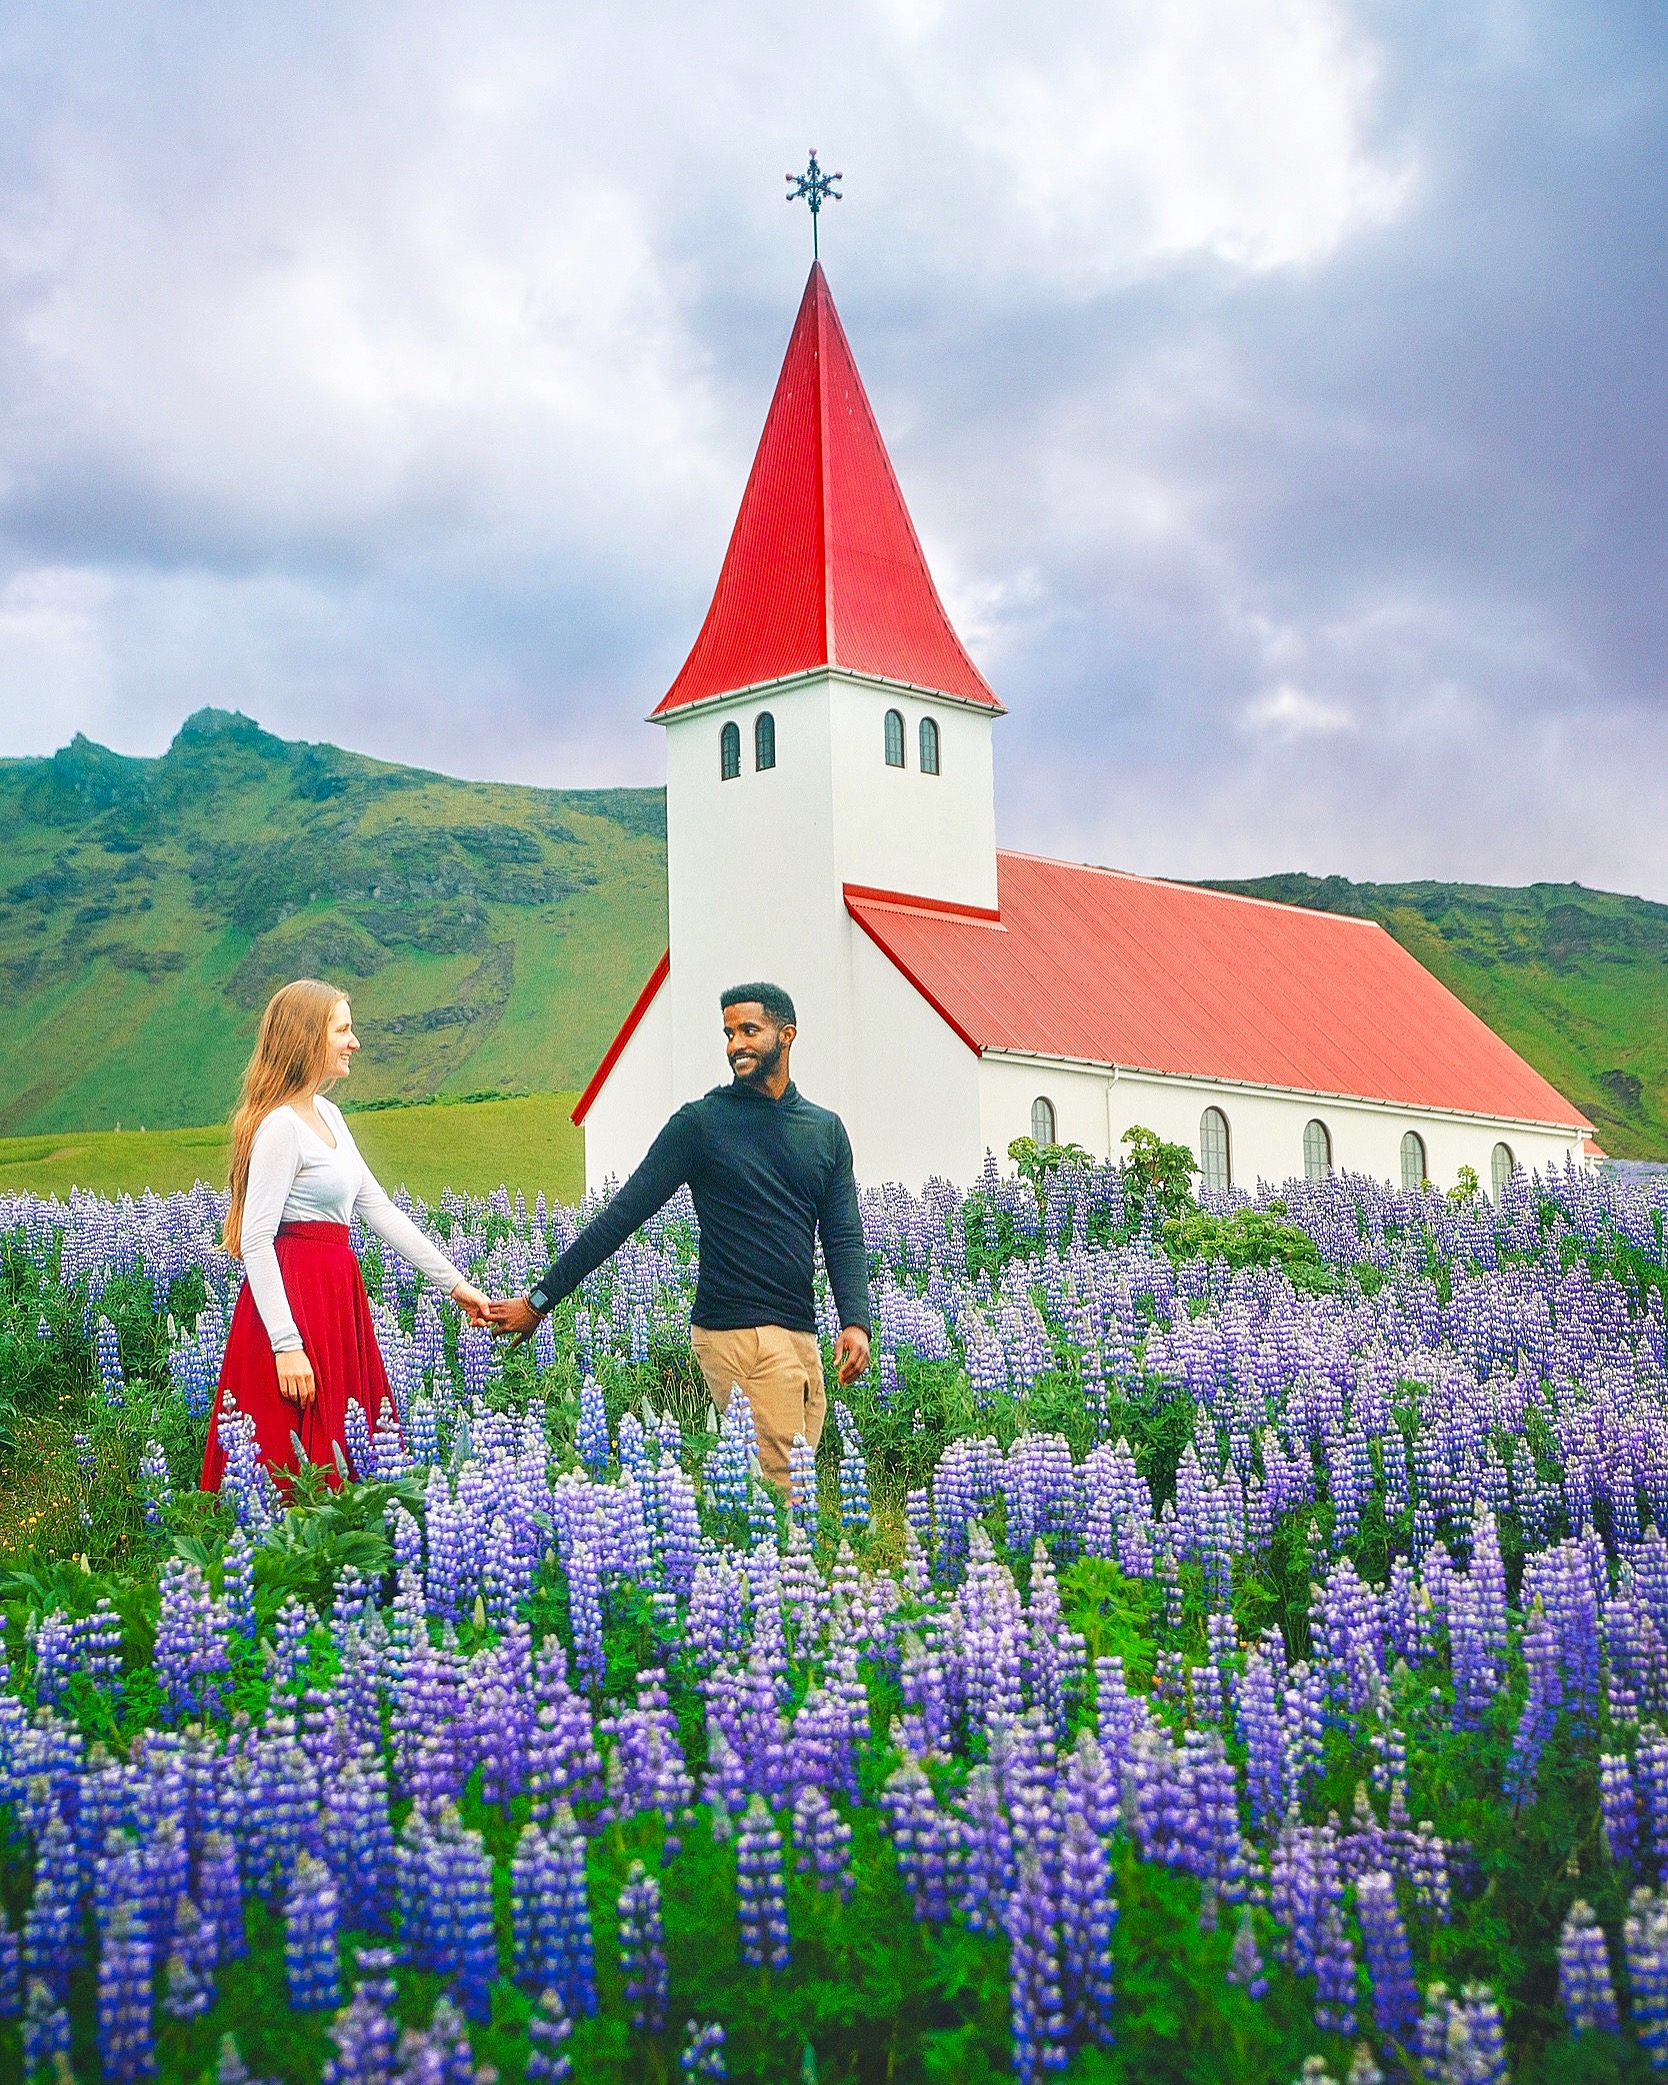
(840, 1223)
(651, 1187)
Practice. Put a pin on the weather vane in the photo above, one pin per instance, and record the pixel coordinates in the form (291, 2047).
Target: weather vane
(813, 187)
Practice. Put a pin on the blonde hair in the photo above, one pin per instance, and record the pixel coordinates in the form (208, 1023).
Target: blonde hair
(289, 1059)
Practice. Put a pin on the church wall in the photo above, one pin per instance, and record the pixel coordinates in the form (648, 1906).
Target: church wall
(753, 888)
(757, 864)
(1265, 1128)
(917, 1092)
(897, 829)
(626, 1116)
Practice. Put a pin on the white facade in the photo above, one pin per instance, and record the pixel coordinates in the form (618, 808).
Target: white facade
(1095, 1103)
(758, 862)
(757, 865)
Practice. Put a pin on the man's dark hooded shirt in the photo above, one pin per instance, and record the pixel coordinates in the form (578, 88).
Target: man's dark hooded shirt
(765, 1176)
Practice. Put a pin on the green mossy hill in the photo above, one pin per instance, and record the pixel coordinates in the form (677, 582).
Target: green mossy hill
(490, 936)
(1576, 980)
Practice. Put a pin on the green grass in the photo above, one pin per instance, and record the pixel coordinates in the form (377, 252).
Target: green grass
(1576, 981)
(488, 935)
(527, 1142)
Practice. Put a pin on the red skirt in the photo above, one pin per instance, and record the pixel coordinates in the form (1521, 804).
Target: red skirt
(326, 1294)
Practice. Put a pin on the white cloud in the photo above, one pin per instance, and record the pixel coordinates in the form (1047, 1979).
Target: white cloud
(1288, 712)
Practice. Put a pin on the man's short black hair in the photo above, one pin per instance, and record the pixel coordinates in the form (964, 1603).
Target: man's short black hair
(776, 1003)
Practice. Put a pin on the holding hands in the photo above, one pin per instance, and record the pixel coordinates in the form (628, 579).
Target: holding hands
(472, 1302)
(514, 1316)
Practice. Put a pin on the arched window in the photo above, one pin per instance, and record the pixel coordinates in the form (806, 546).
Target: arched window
(1414, 1170)
(729, 753)
(929, 746)
(1215, 1159)
(894, 739)
(1317, 1150)
(1042, 1121)
(764, 740)
(1501, 1167)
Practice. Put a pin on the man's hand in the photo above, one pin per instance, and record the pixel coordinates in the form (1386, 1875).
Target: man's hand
(472, 1303)
(514, 1315)
(295, 1377)
(851, 1355)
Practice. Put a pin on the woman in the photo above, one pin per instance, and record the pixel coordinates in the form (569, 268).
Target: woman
(302, 1342)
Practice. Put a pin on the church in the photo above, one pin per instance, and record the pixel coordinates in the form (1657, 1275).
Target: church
(830, 824)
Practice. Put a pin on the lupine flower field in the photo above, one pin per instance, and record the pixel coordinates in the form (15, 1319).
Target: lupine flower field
(1223, 1643)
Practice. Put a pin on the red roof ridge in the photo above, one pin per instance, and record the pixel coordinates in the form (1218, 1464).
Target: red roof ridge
(628, 1028)
(902, 901)
(1205, 890)
(824, 567)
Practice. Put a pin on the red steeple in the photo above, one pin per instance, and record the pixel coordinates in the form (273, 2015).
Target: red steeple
(824, 567)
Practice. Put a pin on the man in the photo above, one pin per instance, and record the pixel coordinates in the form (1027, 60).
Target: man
(768, 1171)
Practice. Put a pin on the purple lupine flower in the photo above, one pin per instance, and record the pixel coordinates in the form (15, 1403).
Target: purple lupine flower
(591, 1442)
(1473, 2044)
(1034, 1981)
(643, 1950)
(364, 2031)
(310, 1907)
(549, 2031)
(1245, 1962)
(1618, 1809)
(703, 2051)
(125, 2045)
(987, 1852)
(1645, 1950)
(921, 1839)
(46, 2030)
(1334, 1974)
(822, 1841)
(11, 1972)
(220, 1894)
(191, 1964)
(802, 1484)
(854, 1471)
(585, 1614)
(550, 1912)
(761, 1889)
(1389, 1962)
(1584, 1983)
(237, 1584)
(155, 1484)
(107, 1356)
(359, 1842)
(1087, 1916)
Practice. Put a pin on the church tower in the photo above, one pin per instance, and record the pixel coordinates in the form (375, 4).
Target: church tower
(827, 732)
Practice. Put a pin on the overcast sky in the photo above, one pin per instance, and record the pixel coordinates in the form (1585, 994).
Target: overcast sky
(1278, 387)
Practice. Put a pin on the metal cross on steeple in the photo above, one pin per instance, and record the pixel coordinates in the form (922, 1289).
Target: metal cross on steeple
(813, 187)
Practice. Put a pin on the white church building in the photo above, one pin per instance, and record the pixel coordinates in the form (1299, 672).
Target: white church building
(831, 826)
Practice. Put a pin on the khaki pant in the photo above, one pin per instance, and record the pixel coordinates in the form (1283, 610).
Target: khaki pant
(781, 1372)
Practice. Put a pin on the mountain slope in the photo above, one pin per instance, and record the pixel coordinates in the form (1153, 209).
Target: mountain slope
(491, 937)
(1576, 980)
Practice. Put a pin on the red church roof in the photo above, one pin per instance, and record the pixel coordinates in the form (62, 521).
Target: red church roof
(824, 567)
(1092, 964)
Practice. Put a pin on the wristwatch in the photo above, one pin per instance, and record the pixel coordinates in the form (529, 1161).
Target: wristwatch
(541, 1299)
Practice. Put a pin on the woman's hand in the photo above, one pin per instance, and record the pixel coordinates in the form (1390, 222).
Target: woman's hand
(472, 1302)
(295, 1377)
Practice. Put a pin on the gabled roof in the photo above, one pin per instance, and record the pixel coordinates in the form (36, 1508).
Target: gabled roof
(824, 567)
(628, 1028)
(1114, 969)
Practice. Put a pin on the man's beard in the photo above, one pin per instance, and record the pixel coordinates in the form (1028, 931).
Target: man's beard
(764, 1067)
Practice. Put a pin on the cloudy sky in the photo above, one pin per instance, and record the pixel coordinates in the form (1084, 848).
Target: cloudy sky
(1278, 386)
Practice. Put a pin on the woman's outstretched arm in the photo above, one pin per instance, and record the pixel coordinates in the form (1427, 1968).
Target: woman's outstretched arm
(274, 1160)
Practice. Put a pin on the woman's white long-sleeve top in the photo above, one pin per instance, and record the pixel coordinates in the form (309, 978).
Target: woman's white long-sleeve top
(295, 1177)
